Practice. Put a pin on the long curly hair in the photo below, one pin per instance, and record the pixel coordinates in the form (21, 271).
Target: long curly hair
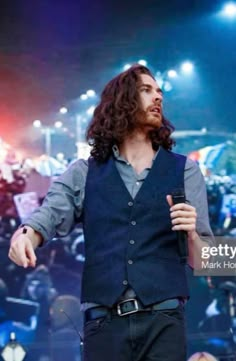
(115, 116)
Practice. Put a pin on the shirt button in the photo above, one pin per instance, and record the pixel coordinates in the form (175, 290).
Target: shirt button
(131, 241)
(130, 204)
(125, 282)
(130, 261)
(137, 183)
(133, 223)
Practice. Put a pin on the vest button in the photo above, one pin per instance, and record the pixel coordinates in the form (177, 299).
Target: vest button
(130, 204)
(130, 261)
(132, 241)
(125, 282)
(133, 223)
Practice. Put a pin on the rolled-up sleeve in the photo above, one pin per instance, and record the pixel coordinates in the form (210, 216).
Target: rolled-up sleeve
(63, 203)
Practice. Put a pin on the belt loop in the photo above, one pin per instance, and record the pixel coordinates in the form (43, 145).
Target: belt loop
(182, 302)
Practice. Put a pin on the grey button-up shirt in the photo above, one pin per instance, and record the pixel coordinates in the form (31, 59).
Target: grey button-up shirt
(63, 204)
(64, 201)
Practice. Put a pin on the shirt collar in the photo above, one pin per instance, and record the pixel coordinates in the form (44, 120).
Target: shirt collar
(117, 155)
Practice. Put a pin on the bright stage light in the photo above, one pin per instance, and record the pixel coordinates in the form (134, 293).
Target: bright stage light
(83, 96)
(167, 87)
(229, 10)
(187, 67)
(90, 110)
(63, 110)
(126, 67)
(90, 93)
(58, 124)
(142, 62)
(172, 73)
(37, 123)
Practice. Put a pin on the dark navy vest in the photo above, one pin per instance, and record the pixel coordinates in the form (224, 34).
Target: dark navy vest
(130, 241)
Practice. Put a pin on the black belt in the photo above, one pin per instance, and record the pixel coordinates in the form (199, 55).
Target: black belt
(130, 306)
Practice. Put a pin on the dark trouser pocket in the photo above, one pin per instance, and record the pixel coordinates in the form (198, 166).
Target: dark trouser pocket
(92, 327)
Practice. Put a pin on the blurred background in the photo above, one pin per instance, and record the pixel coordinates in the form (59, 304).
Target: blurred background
(55, 58)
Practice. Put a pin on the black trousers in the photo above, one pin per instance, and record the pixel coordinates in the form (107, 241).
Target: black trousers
(141, 336)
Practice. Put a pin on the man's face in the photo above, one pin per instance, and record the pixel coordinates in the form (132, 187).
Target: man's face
(150, 96)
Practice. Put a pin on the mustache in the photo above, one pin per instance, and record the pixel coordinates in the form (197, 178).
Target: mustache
(150, 108)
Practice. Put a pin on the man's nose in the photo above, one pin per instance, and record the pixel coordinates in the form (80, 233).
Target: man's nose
(157, 98)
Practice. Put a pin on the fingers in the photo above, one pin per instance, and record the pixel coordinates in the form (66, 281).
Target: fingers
(31, 256)
(184, 225)
(19, 259)
(21, 251)
(169, 200)
(183, 216)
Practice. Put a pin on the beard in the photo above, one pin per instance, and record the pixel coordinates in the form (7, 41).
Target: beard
(158, 131)
(148, 121)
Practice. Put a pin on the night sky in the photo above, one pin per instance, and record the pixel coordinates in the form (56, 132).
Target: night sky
(52, 51)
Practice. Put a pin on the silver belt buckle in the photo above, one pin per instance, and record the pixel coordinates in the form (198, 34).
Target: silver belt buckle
(119, 305)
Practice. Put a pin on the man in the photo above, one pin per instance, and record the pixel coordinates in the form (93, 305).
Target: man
(134, 283)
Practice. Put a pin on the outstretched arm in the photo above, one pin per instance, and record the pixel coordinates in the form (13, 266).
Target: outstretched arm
(57, 215)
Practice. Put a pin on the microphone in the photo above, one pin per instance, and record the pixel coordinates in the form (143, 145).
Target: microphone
(178, 196)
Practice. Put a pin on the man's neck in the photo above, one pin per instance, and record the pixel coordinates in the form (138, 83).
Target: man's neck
(138, 151)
